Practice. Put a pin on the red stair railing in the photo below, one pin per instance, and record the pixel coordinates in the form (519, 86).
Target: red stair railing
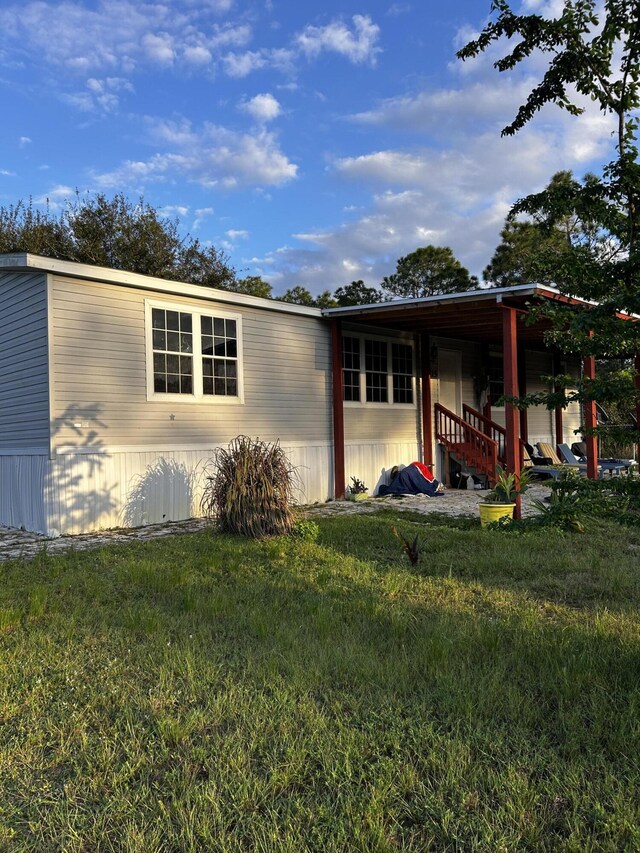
(471, 445)
(484, 424)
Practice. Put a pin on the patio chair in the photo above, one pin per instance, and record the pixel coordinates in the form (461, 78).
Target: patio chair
(548, 450)
(579, 448)
(570, 458)
(543, 470)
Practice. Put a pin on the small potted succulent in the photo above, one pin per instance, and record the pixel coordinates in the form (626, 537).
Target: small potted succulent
(501, 500)
(357, 491)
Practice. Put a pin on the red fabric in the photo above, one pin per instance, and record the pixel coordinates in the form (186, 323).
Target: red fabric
(426, 473)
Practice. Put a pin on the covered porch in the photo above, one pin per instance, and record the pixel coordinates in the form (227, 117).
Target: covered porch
(466, 351)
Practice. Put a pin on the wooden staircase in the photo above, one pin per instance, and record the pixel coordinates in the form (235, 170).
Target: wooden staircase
(488, 427)
(471, 445)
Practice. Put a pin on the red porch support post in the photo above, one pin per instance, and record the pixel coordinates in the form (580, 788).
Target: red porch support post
(338, 411)
(637, 367)
(522, 390)
(427, 405)
(590, 421)
(559, 424)
(512, 439)
(558, 412)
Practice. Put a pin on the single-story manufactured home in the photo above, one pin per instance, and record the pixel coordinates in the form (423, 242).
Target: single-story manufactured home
(115, 389)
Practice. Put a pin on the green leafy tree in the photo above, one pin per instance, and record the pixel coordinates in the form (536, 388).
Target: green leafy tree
(357, 293)
(26, 229)
(325, 300)
(593, 49)
(299, 296)
(530, 250)
(114, 233)
(426, 272)
(254, 285)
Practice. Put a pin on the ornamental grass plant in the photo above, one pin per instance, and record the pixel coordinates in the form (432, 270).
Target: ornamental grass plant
(250, 488)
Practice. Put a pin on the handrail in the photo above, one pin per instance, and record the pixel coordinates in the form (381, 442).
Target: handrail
(473, 446)
(491, 428)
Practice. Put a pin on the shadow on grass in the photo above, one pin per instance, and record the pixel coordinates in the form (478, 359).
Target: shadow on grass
(593, 571)
(473, 716)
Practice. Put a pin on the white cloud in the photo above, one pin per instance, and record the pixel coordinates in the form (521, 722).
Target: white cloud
(24, 141)
(101, 94)
(234, 234)
(212, 157)
(119, 36)
(57, 197)
(197, 54)
(6, 173)
(159, 48)
(169, 211)
(201, 215)
(455, 192)
(243, 64)
(358, 45)
(262, 108)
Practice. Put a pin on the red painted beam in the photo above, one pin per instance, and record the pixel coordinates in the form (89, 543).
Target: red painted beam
(510, 345)
(637, 366)
(558, 412)
(338, 411)
(559, 423)
(427, 405)
(590, 421)
(522, 390)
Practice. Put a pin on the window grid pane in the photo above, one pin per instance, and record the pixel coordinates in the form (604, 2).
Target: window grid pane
(376, 369)
(172, 336)
(219, 357)
(351, 369)
(402, 368)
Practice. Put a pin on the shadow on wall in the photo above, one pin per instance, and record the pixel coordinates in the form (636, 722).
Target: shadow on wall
(165, 492)
(77, 493)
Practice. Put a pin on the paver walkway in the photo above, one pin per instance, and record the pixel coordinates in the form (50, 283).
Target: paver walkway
(18, 543)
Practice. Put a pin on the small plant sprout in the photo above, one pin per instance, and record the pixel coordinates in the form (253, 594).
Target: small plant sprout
(411, 549)
(357, 487)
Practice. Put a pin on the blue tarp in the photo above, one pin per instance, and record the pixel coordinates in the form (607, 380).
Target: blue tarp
(411, 481)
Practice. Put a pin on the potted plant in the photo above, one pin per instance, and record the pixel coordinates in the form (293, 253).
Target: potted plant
(357, 491)
(501, 500)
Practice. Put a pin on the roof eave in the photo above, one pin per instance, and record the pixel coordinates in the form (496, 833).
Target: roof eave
(105, 275)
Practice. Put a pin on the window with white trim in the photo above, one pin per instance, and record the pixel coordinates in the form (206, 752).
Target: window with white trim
(193, 354)
(375, 370)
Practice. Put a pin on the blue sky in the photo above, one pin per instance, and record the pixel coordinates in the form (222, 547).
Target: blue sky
(314, 142)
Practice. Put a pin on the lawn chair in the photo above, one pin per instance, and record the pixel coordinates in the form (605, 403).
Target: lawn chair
(579, 448)
(544, 471)
(609, 465)
(548, 450)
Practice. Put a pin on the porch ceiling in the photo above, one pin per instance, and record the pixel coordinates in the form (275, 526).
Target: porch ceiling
(475, 316)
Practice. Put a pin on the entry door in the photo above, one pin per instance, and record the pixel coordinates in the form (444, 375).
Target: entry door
(450, 380)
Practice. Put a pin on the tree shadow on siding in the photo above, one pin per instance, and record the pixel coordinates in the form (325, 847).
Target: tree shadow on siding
(76, 492)
(165, 492)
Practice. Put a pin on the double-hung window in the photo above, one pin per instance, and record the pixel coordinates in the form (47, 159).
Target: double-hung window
(375, 370)
(193, 354)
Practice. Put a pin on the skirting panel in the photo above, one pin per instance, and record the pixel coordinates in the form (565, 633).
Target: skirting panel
(81, 492)
(22, 488)
(372, 461)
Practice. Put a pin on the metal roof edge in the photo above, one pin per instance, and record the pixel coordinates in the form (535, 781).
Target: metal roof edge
(464, 296)
(106, 275)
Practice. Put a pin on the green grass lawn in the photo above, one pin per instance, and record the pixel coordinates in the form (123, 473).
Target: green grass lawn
(207, 693)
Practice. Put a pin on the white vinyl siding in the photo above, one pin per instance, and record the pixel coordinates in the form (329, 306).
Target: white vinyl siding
(101, 376)
(24, 395)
